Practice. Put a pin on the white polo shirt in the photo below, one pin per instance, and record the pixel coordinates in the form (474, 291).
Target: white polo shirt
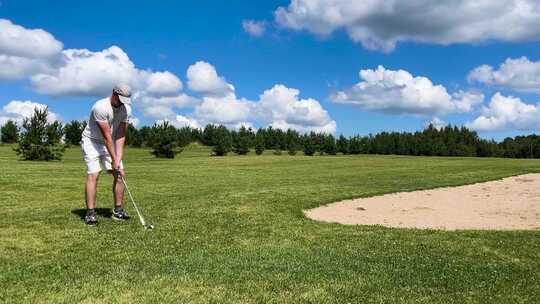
(104, 111)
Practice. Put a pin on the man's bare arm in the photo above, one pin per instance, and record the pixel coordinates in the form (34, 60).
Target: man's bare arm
(120, 141)
(106, 132)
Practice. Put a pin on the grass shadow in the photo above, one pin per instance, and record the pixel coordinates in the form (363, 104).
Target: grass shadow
(103, 212)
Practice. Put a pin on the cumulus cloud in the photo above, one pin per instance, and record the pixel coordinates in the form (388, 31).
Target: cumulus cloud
(204, 79)
(505, 112)
(18, 41)
(400, 92)
(14, 68)
(254, 28)
(437, 123)
(219, 103)
(82, 72)
(36, 54)
(281, 107)
(180, 121)
(24, 52)
(162, 83)
(161, 107)
(227, 110)
(518, 74)
(381, 24)
(158, 95)
(17, 110)
(135, 121)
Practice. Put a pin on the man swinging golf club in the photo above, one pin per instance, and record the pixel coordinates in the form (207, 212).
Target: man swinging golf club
(103, 142)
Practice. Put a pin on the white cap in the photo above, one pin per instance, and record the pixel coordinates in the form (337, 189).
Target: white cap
(124, 92)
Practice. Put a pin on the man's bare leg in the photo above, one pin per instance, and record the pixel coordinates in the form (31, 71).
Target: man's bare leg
(90, 190)
(118, 191)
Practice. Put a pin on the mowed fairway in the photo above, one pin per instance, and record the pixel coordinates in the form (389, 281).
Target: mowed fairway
(231, 230)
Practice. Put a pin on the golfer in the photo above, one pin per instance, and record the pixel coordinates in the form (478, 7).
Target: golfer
(103, 144)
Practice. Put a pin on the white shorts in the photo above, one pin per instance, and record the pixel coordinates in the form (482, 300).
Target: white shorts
(94, 153)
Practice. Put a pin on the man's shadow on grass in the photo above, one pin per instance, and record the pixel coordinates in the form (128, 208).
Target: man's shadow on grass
(103, 212)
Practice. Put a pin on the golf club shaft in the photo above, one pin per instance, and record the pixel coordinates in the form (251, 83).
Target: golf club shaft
(141, 218)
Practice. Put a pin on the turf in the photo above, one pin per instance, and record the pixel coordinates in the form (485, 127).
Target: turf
(231, 230)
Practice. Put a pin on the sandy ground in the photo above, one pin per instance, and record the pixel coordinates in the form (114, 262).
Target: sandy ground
(509, 204)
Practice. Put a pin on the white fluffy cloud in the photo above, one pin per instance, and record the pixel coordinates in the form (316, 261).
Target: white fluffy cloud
(505, 112)
(83, 72)
(437, 123)
(381, 24)
(203, 79)
(183, 121)
(226, 110)
(13, 67)
(400, 92)
(158, 95)
(180, 121)
(219, 103)
(519, 74)
(162, 83)
(18, 41)
(24, 52)
(17, 110)
(254, 28)
(162, 107)
(73, 72)
(281, 108)
(87, 73)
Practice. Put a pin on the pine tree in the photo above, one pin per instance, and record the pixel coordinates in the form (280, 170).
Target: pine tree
(146, 136)
(343, 145)
(39, 139)
(329, 145)
(259, 142)
(10, 132)
(73, 132)
(184, 136)
(165, 145)
(133, 137)
(209, 136)
(223, 141)
(55, 132)
(241, 142)
(309, 144)
(291, 139)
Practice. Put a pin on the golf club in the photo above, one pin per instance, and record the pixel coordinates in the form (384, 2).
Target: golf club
(141, 218)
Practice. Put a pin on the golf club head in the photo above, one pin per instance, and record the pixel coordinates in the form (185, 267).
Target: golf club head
(149, 227)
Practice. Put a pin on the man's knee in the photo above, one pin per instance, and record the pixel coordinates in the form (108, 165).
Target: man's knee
(92, 177)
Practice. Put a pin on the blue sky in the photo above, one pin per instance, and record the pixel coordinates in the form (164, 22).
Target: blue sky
(316, 55)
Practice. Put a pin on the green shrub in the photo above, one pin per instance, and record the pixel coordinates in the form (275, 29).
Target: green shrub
(209, 135)
(259, 143)
(329, 146)
(310, 147)
(342, 145)
(39, 139)
(291, 141)
(133, 137)
(241, 142)
(223, 141)
(165, 144)
(73, 132)
(10, 132)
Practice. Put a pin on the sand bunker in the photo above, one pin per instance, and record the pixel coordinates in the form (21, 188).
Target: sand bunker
(509, 204)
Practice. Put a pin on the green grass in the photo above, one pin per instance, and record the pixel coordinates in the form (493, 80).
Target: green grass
(231, 230)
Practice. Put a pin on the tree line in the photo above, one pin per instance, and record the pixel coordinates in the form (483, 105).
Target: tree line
(39, 139)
